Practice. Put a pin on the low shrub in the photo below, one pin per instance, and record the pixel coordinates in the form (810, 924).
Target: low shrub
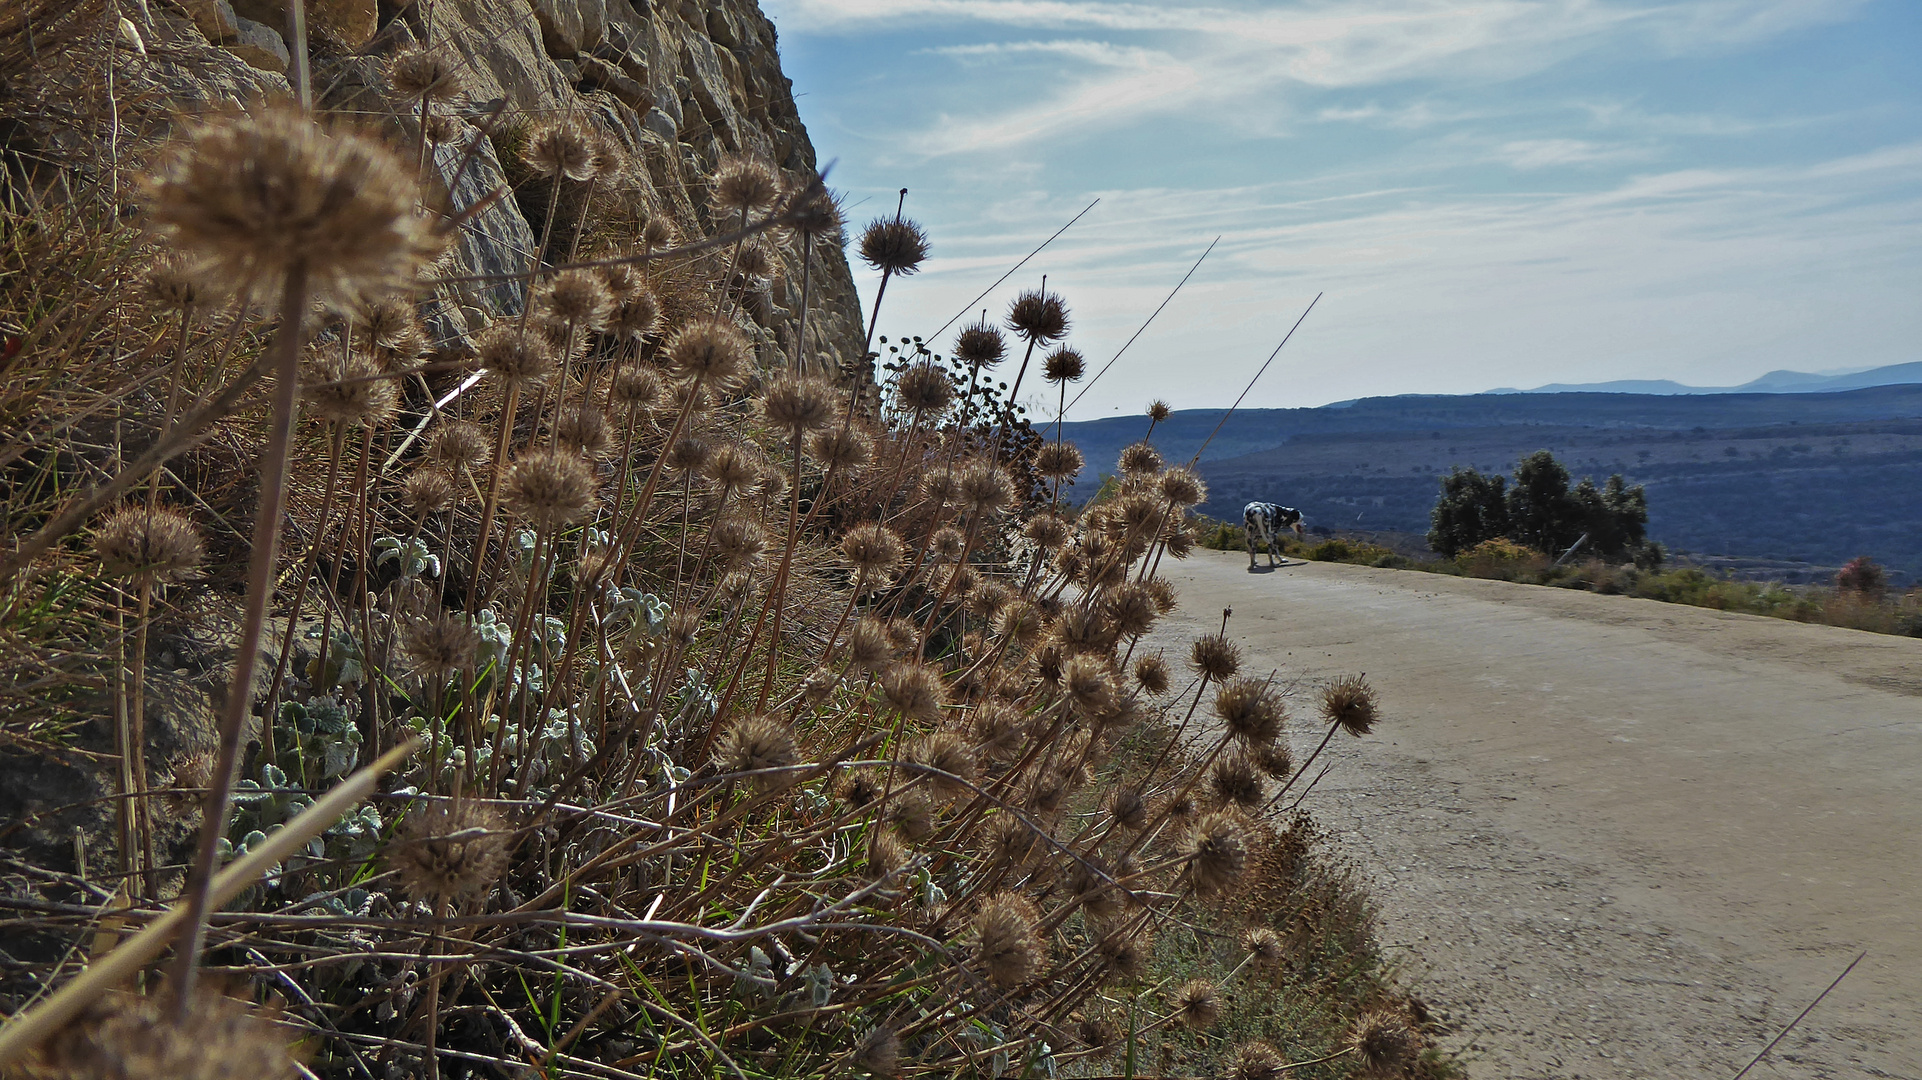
(1501, 558)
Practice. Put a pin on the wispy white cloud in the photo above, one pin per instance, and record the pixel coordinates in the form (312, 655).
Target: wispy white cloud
(1551, 153)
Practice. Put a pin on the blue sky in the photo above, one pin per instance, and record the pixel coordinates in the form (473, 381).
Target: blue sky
(1489, 192)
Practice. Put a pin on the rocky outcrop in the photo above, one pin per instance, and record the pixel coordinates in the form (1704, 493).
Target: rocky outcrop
(678, 84)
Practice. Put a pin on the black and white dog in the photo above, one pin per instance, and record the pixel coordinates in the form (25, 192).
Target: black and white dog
(1264, 522)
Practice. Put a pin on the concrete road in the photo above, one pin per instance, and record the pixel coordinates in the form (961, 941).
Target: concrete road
(1609, 836)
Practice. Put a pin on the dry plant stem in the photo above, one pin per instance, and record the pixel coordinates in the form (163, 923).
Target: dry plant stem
(779, 590)
(801, 325)
(260, 584)
(478, 586)
(28, 1028)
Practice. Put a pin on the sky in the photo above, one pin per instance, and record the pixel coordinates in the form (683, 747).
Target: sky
(1485, 193)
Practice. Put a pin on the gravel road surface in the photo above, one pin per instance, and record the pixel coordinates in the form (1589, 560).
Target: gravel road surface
(1612, 837)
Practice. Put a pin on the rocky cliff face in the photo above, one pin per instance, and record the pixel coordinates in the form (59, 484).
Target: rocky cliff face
(678, 84)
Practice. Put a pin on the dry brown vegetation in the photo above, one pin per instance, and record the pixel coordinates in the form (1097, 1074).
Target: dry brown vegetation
(742, 723)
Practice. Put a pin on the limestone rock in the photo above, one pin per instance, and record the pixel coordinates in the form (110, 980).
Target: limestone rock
(348, 22)
(214, 18)
(571, 27)
(261, 47)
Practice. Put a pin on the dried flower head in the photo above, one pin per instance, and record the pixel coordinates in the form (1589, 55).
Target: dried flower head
(1383, 1042)
(708, 350)
(1215, 658)
(1264, 946)
(737, 544)
(925, 388)
(1255, 1060)
(811, 209)
(1047, 531)
(858, 789)
(1006, 946)
(1100, 1036)
(1183, 488)
(1058, 461)
(797, 403)
(636, 316)
(634, 387)
(442, 129)
(915, 690)
(583, 429)
(948, 753)
(157, 545)
(447, 851)
(1018, 621)
(1088, 683)
(888, 856)
(622, 281)
(986, 489)
(610, 158)
(125, 1036)
(868, 647)
(1217, 851)
(170, 283)
(560, 148)
(1139, 459)
(688, 454)
(423, 72)
(756, 743)
(1235, 781)
(878, 1053)
(912, 814)
(658, 233)
(438, 647)
(1130, 608)
(743, 184)
(1250, 711)
(873, 550)
(1039, 315)
(845, 449)
(683, 627)
(1064, 365)
(517, 359)
(894, 246)
(550, 488)
(350, 390)
(980, 345)
(1350, 702)
(988, 598)
(731, 469)
(250, 199)
(427, 491)
(1127, 809)
(457, 446)
(1273, 760)
(1159, 410)
(940, 488)
(577, 297)
(1151, 674)
(1124, 954)
(1196, 1005)
(948, 543)
(753, 261)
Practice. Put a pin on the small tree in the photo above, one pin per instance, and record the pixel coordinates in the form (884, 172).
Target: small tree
(1862, 576)
(1542, 512)
(1471, 509)
(1615, 517)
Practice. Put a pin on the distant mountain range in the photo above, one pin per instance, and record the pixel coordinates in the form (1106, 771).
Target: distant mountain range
(1775, 382)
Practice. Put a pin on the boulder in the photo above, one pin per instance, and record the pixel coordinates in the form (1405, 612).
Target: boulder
(261, 47)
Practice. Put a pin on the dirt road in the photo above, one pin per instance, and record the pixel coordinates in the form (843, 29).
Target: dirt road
(1613, 837)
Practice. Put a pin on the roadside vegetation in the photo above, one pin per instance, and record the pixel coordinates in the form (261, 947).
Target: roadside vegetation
(598, 695)
(1541, 531)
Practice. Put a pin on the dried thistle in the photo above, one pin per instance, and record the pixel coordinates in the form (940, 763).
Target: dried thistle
(583, 429)
(1064, 365)
(125, 1036)
(1350, 702)
(710, 350)
(1126, 808)
(1264, 946)
(157, 545)
(1196, 1005)
(637, 316)
(427, 491)
(731, 470)
(759, 743)
(946, 752)
(1255, 1060)
(440, 646)
(980, 345)
(842, 449)
(1159, 410)
(1058, 461)
(350, 391)
(1183, 488)
(1047, 532)
(737, 544)
(878, 1053)
(422, 72)
(1215, 658)
(634, 387)
(560, 148)
(1383, 1042)
(986, 489)
(1218, 852)
(914, 690)
(744, 184)
(1039, 315)
(1087, 682)
(1151, 674)
(577, 297)
(447, 852)
(458, 446)
(894, 246)
(1250, 711)
(550, 488)
(1139, 460)
(250, 199)
(1235, 781)
(925, 388)
(516, 359)
(868, 647)
(1005, 943)
(797, 403)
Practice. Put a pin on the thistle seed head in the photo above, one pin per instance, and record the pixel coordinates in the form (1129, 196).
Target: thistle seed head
(738, 543)
(622, 281)
(421, 71)
(986, 489)
(688, 454)
(894, 247)
(1235, 781)
(873, 550)
(1058, 461)
(858, 788)
(449, 852)
(940, 488)
(170, 283)
(583, 429)
(1047, 532)
(161, 545)
(1151, 674)
(709, 350)
(1159, 410)
(1139, 460)
(915, 690)
(1250, 711)
(350, 391)
(427, 491)
(560, 148)
(634, 387)
(1350, 702)
(1127, 809)
(1018, 621)
(1256, 1060)
(1006, 946)
(753, 260)
(1215, 658)
(756, 743)
(925, 388)
(516, 359)
(1263, 945)
(1039, 315)
(980, 345)
(442, 129)
(657, 234)
(912, 813)
(797, 404)
(988, 598)
(950, 754)
(577, 297)
(878, 1053)
(247, 199)
(1088, 684)
(868, 646)
(458, 446)
(1218, 852)
(1196, 1005)
(550, 488)
(1383, 1042)
(440, 646)
(1183, 488)
(1101, 1037)
(744, 184)
(1130, 608)
(123, 1036)
(948, 543)
(731, 470)
(844, 449)
(1064, 365)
